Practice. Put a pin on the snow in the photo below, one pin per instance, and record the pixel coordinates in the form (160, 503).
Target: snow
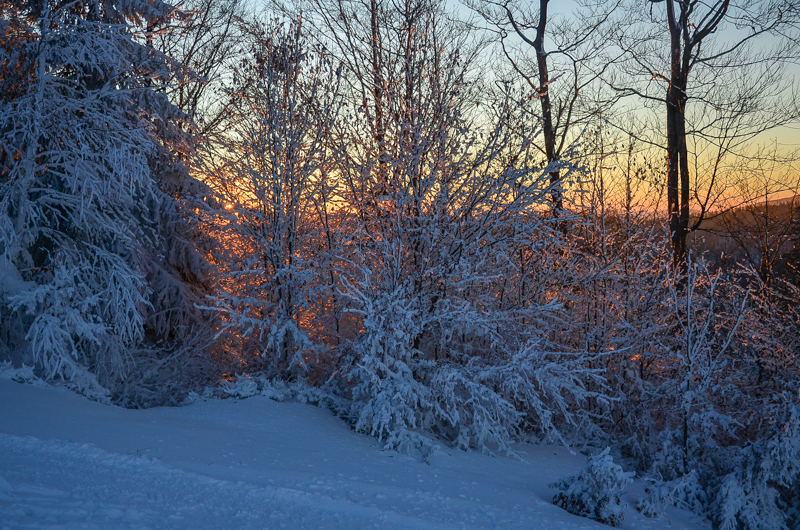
(67, 462)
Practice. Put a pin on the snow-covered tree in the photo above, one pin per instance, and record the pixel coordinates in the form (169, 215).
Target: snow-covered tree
(94, 266)
(269, 172)
(444, 250)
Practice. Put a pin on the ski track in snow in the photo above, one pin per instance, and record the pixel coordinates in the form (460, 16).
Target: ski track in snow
(136, 492)
(66, 462)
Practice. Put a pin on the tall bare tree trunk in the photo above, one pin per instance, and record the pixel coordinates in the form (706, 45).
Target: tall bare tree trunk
(377, 98)
(676, 144)
(547, 108)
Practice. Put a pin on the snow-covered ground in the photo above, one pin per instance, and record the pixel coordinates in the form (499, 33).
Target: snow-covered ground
(66, 462)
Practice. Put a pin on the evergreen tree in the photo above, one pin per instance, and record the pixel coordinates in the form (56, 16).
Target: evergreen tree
(93, 264)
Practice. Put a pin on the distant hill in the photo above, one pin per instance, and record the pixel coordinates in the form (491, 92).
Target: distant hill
(762, 235)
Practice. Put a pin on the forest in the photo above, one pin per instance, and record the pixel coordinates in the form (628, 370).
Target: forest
(470, 224)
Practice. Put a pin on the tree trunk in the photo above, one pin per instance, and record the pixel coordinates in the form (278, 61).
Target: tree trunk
(677, 162)
(377, 97)
(547, 112)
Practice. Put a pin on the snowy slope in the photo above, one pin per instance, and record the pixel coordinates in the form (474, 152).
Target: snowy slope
(66, 462)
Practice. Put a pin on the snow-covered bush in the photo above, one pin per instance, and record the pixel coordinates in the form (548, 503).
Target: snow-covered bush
(383, 373)
(595, 492)
(245, 386)
(696, 396)
(396, 389)
(685, 492)
(753, 487)
(761, 489)
(23, 374)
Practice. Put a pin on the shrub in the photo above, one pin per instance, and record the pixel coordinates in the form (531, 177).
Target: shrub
(595, 492)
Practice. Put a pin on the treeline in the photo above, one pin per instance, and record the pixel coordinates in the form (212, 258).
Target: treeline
(440, 244)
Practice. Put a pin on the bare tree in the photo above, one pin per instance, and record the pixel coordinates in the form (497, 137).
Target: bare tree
(721, 82)
(564, 78)
(205, 42)
(380, 43)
